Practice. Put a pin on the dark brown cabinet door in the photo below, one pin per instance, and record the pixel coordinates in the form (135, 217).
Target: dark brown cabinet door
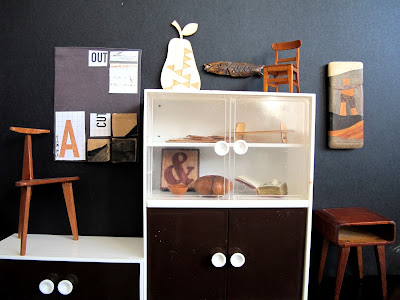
(180, 246)
(272, 241)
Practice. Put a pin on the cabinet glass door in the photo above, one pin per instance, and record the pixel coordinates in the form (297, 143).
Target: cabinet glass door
(271, 153)
(183, 130)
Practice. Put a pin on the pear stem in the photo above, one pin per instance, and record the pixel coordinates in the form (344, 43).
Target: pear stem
(176, 25)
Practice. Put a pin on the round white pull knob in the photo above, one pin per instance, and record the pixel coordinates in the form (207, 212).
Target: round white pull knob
(46, 286)
(237, 260)
(218, 260)
(240, 147)
(65, 287)
(221, 148)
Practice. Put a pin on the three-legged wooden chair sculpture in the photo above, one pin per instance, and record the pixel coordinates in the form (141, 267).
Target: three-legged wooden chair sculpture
(28, 182)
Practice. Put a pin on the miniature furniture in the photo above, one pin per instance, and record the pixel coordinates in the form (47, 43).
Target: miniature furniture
(354, 227)
(28, 182)
(233, 243)
(104, 268)
(283, 73)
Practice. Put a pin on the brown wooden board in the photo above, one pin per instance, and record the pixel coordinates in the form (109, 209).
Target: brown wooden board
(346, 101)
(179, 166)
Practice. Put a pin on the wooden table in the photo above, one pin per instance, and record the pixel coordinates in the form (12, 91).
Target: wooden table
(354, 227)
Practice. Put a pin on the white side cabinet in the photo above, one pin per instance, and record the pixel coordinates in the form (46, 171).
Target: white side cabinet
(242, 229)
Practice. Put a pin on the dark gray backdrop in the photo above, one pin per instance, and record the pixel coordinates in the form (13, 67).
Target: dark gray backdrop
(109, 197)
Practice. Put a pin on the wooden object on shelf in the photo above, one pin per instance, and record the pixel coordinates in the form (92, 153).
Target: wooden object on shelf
(283, 73)
(28, 181)
(240, 131)
(178, 189)
(234, 69)
(212, 185)
(354, 227)
(179, 166)
(346, 101)
(197, 139)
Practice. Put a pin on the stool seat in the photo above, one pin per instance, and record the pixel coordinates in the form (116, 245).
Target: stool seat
(354, 227)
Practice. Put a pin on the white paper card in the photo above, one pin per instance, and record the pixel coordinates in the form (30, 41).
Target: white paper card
(100, 124)
(70, 139)
(124, 72)
(97, 58)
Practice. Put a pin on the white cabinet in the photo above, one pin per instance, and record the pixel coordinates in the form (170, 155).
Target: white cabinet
(261, 145)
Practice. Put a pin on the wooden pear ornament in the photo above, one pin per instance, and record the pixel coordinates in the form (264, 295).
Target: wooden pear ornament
(180, 70)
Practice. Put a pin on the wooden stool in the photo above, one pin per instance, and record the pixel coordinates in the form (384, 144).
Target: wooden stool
(28, 181)
(354, 227)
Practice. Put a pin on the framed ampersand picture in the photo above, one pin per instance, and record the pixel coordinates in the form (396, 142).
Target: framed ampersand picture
(179, 166)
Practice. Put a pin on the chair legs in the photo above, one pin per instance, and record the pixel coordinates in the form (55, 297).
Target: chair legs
(380, 257)
(325, 246)
(342, 262)
(341, 267)
(26, 193)
(69, 202)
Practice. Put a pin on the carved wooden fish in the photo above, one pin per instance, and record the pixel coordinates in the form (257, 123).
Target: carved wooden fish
(234, 69)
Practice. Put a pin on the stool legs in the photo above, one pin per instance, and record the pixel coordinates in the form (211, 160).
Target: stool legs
(380, 257)
(26, 193)
(69, 202)
(324, 252)
(360, 262)
(341, 267)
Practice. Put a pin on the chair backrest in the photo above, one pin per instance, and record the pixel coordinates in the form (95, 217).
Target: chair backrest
(287, 46)
(27, 166)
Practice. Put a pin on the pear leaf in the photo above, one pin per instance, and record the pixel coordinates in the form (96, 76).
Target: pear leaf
(189, 29)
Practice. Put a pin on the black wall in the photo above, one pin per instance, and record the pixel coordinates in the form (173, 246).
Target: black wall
(109, 197)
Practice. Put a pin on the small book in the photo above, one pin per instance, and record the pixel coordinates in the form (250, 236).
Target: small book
(270, 188)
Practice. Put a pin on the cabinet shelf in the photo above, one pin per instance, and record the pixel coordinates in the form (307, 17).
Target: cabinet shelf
(211, 145)
(259, 202)
(45, 247)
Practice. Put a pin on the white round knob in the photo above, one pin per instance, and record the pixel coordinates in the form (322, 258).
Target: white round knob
(46, 286)
(240, 147)
(218, 260)
(237, 260)
(221, 148)
(65, 287)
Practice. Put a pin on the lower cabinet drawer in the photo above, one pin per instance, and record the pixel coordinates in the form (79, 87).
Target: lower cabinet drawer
(20, 279)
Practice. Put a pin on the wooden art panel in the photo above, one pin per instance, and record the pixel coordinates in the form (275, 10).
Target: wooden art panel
(346, 101)
(179, 166)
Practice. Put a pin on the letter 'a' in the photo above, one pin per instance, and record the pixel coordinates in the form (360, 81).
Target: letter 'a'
(68, 130)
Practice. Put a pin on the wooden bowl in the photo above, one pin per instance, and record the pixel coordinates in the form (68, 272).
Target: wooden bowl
(178, 189)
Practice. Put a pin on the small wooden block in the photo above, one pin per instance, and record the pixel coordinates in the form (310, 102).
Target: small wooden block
(123, 150)
(124, 124)
(98, 150)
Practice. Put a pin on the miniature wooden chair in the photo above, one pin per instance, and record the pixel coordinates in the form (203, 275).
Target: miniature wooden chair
(283, 73)
(28, 182)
